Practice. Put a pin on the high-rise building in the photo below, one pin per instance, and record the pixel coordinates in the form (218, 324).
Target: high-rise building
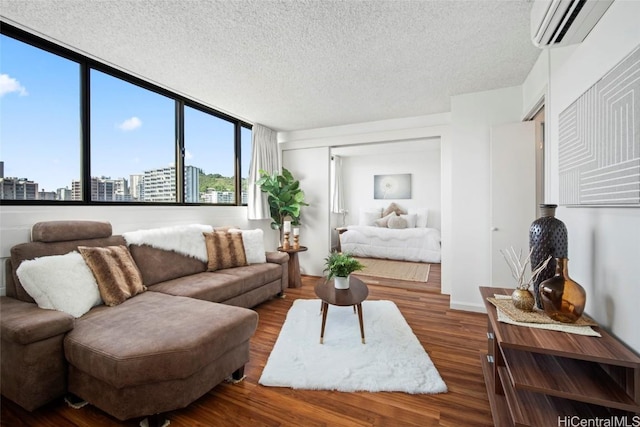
(18, 189)
(136, 187)
(192, 184)
(63, 194)
(218, 197)
(160, 185)
(76, 190)
(103, 189)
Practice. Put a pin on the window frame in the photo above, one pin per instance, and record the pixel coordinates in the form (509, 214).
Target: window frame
(86, 65)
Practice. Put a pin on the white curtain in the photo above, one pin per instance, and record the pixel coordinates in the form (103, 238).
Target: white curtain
(264, 155)
(337, 198)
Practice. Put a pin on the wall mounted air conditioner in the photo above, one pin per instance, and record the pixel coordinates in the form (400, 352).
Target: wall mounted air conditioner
(563, 22)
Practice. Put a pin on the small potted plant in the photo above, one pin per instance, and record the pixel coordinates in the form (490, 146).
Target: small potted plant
(522, 297)
(338, 266)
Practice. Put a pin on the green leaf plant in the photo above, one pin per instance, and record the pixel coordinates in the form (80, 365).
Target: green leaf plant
(340, 264)
(284, 196)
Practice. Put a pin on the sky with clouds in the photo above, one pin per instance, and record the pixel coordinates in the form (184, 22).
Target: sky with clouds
(132, 129)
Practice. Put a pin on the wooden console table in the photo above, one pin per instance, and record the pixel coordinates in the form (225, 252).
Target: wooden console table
(537, 377)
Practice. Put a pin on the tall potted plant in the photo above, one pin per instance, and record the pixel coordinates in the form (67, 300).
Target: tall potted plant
(284, 196)
(339, 266)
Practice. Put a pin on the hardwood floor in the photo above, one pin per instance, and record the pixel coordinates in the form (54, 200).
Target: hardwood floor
(452, 338)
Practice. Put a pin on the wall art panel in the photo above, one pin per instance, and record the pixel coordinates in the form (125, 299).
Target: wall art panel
(599, 140)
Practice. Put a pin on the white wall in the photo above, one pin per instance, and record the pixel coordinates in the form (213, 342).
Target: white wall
(604, 243)
(424, 167)
(311, 167)
(472, 116)
(16, 221)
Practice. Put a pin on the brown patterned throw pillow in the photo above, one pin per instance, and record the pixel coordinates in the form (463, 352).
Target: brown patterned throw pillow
(224, 250)
(115, 271)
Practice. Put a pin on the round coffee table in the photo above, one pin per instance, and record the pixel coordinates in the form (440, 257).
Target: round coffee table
(357, 292)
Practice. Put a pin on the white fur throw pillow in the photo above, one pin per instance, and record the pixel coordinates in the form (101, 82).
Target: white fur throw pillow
(60, 282)
(253, 241)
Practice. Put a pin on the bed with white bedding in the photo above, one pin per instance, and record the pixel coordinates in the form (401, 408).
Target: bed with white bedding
(406, 244)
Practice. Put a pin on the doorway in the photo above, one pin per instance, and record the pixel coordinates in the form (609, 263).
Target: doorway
(539, 119)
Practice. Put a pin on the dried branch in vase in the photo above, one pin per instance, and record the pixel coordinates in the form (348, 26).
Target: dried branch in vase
(518, 267)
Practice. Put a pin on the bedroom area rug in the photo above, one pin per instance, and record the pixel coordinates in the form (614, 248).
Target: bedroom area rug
(391, 360)
(399, 270)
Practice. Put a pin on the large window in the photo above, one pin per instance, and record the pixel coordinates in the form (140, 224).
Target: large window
(40, 137)
(77, 131)
(245, 160)
(209, 155)
(132, 142)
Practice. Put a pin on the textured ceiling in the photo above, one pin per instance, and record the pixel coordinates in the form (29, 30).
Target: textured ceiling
(299, 64)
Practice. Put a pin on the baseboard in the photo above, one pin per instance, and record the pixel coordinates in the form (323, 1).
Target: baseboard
(477, 308)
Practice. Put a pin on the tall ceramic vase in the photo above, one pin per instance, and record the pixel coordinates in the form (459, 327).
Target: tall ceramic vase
(547, 237)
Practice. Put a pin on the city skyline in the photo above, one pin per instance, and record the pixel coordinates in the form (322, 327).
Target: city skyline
(134, 187)
(132, 128)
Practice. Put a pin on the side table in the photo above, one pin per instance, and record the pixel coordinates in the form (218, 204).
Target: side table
(295, 281)
(340, 230)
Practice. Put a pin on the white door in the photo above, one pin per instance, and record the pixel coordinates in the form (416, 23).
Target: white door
(513, 194)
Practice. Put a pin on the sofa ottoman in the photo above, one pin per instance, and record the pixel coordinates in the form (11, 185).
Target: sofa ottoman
(155, 352)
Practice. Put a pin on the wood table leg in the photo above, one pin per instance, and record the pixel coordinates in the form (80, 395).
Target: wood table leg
(325, 308)
(360, 320)
(295, 281)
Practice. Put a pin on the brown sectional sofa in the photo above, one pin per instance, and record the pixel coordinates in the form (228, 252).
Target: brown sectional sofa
(158, 351)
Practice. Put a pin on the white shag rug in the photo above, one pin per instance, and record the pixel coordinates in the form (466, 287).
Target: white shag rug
(391, 360)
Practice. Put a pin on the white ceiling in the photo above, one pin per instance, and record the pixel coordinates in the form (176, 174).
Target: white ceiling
(299, 64)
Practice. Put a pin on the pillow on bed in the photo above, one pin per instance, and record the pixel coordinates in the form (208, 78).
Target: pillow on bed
(397, 222)
(393, 208)
(422, 215)
(368, 217)
(384, 221)
(410, 219)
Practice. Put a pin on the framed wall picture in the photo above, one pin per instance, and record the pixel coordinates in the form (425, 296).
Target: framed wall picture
(396, 186)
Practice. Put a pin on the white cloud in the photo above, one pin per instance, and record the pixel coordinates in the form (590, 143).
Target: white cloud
(188, 155)
(9, 85)
(130, 124)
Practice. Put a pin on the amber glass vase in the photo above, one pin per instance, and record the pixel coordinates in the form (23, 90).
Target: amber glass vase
(562, 298)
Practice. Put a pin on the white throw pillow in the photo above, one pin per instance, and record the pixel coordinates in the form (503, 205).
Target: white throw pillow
(396, 221)
(422, 216)
(60, 282)
(368, 217)
(384, 222)
(253, 241)
(411, 220)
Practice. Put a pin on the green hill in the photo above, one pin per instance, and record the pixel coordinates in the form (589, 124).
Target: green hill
(218, 182)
